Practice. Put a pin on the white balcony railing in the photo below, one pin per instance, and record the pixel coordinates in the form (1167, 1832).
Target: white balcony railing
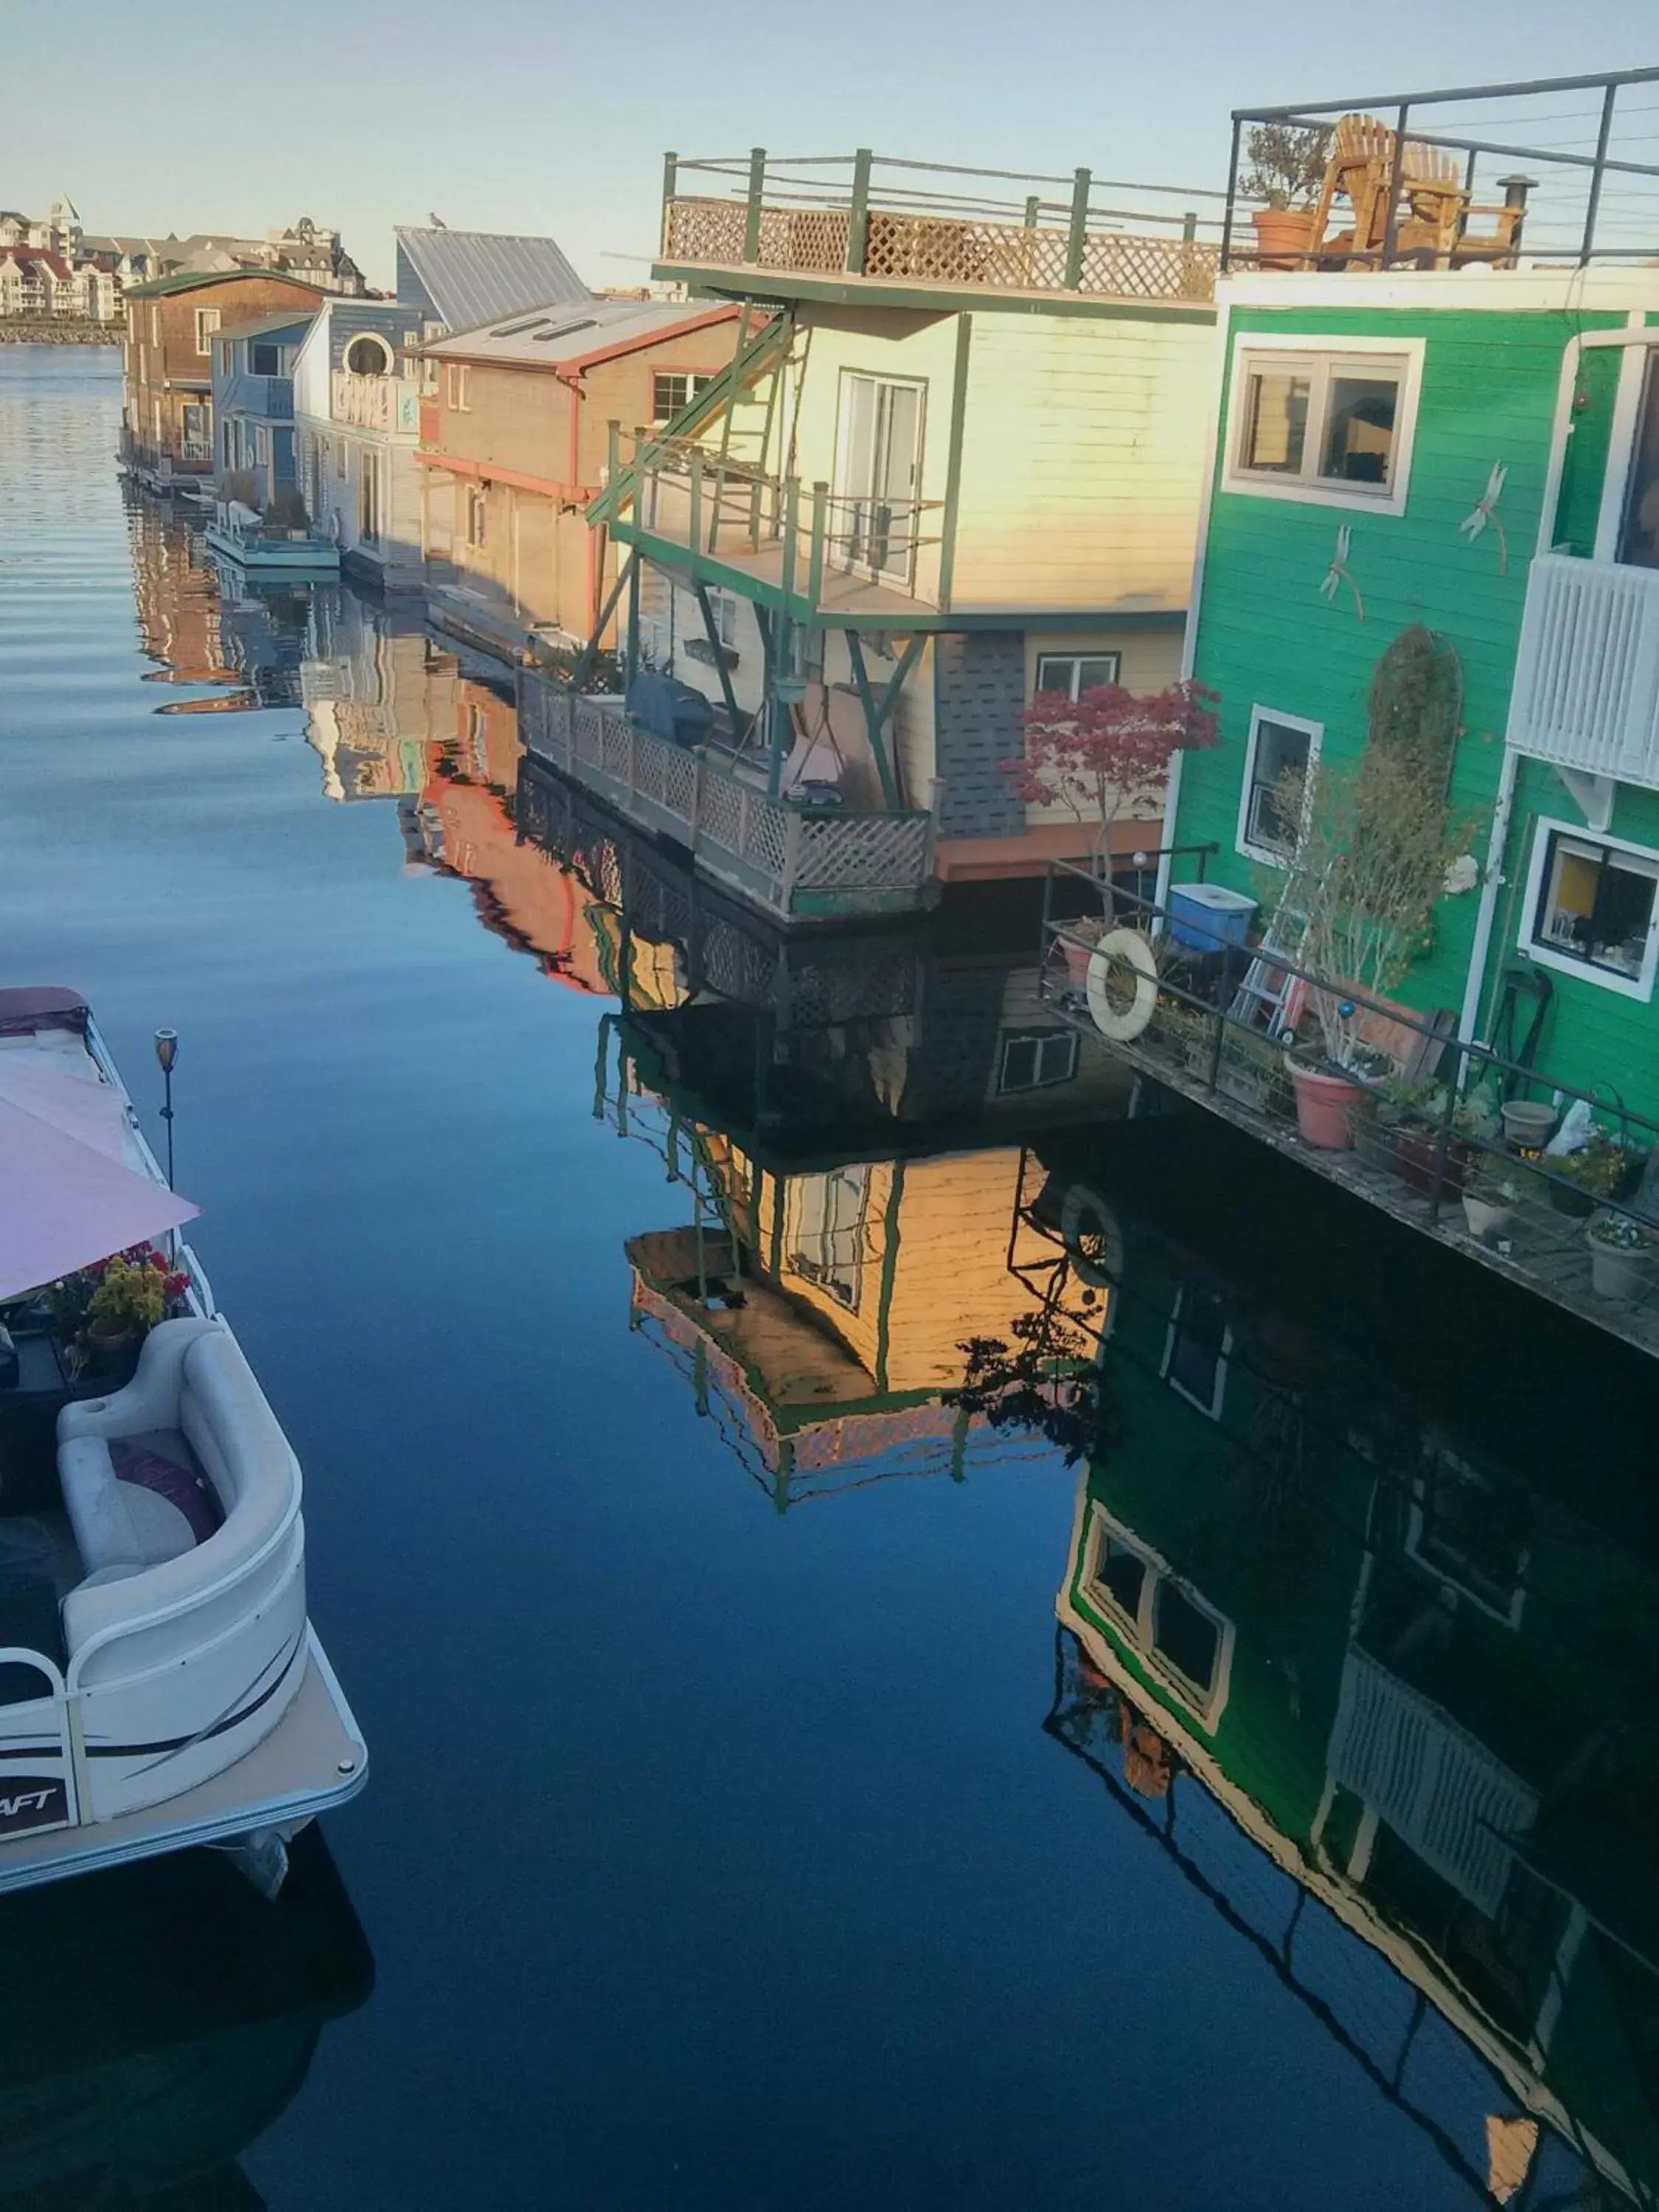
(375, 403)
(1587, 675)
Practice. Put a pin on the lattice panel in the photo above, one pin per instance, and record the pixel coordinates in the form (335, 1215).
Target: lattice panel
(720, 819)
(587, 732)
(873, 851)
(616, 756)
(705, 230)
(667, 774)
(1135, 268)
(766, 843)
(1023, 260)
(736, 965)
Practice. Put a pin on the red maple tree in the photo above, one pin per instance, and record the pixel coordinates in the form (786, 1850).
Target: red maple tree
(1109, 746)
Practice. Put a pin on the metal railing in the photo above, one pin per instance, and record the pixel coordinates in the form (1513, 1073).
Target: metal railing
(684, 491)
(884, 218)
(790, 860)
(1588, 205)
(1418, 1141)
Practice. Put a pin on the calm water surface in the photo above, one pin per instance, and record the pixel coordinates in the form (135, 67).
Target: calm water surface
(745, 1830)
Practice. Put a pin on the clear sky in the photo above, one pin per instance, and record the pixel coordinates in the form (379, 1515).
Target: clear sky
(522, 115)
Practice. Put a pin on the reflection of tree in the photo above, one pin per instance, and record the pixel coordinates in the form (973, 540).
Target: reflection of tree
(1050, 1382)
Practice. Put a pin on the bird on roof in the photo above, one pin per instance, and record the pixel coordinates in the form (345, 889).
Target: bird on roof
(437, 221)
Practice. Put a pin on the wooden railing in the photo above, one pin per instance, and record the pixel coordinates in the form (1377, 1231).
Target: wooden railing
(796, 862)
(1587, 673)
(890, 221)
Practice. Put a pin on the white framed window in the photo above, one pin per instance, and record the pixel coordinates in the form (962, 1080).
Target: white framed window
(826, 1245)
(458, 379)
(478, 515)
(1197, 1345)
(207, 321)
(1329, 424)
(1178, 1636)
(875, 519)
(262, 445)
(673, 389)
(428, 378)
(723, 606)
(1035, 1059)
(1280, 746)
(1457, 1529)
(1075, 673)
(1591, 908)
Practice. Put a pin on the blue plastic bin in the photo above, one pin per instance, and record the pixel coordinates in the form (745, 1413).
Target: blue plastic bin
(1205, 917)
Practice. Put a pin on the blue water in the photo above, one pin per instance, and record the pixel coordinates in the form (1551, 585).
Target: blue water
(711, 1856)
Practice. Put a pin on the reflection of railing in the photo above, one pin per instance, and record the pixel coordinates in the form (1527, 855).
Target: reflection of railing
(885, 219)
(791, 861)
(685, 492)
(1587, 674)
(1187, 1030)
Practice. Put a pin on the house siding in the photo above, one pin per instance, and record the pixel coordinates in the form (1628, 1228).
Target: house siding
(1268, 635)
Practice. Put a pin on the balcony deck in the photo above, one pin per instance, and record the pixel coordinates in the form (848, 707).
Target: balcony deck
(793, 864)
(1218, 1062)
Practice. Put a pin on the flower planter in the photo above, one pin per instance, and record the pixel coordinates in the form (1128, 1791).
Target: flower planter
(1528, 1124)
(1622, 1275)
(1078, 957)
(1323, 1106)
(1284, 236)
(111, 1351)
(1418, 1151)
(1488, 1217)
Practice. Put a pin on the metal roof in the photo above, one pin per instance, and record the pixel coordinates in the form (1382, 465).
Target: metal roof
(475, 277)
(295, 318)
(191, 280)
(552, 335)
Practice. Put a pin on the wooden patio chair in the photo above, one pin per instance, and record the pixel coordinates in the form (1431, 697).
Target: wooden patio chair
(1434, 207)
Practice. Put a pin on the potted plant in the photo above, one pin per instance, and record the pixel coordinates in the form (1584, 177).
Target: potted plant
(1621, 1255)
(1082, 933)
(132, 1297)
(1376, 839)
(1593, 1174)
(1287, 168)
(1489, 1204)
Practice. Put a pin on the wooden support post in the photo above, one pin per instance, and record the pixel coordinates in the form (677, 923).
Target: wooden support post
(726, 427)
(857, 221)
(873, 717)
(1078, 232)
(1188, 228)
(670, 163)
(815, 566)
(752, 223)
(631, 666)
(695, 534)
(947, 550)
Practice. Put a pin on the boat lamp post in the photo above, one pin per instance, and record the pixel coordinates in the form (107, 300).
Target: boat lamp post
(166, 1051)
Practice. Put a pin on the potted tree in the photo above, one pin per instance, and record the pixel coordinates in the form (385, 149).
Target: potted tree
(1287, 168)
(1377, 840)
(1098, 754)
(1621, 1255)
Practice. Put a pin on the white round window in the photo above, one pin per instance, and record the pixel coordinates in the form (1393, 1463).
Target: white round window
(368, 356)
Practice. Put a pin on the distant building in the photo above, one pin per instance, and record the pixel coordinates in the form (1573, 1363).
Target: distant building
(46, 271)
(357, 387)
(512, 448)
(168, 410)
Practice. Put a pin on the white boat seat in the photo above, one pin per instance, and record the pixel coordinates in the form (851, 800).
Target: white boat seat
(120, 1522)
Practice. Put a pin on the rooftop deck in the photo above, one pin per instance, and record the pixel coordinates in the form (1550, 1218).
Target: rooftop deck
(877, 222)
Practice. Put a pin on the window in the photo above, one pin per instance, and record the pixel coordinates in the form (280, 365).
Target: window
(1195, 1350)
(368, 499)
(339, 457)
(874, 522)
(1281, 747)
(478, 515)
(1471, 1532)
(222, 355)
(1035, 1059)
(262, 445)
(1332, 427)
(265, 359)
(1075, 673)
(1638, 535)
(1590, 909)
(723, 606)
(368, 356)
(827, 1248)
(429, 379)
(674, 389)
(457, 376)
(207, 321)
(1174, 1633)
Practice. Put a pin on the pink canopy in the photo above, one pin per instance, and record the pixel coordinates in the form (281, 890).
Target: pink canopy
(67, 1197)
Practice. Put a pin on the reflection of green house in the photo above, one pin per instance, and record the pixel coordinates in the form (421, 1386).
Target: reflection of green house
(1419, 1692)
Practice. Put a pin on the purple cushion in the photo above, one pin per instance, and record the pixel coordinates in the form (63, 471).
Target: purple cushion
(149, 1470)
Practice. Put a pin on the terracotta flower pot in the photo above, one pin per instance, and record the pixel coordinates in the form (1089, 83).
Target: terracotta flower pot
(1284, 236)
(1323, 1104)
(1078, 957)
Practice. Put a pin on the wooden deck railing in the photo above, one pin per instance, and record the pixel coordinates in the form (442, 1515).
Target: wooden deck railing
(798, 863)
(884, 223)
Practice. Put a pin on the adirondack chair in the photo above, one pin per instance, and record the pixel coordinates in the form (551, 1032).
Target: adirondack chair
(1434, 207)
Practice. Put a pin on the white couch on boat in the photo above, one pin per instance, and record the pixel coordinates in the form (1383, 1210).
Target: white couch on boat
(181, 1635)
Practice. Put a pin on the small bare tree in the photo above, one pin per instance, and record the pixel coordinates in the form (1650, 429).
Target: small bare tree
(1097, 753)
(1376, 841)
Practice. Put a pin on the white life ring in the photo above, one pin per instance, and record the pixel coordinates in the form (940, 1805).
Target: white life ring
(1119, 950)
(1090, 1231)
